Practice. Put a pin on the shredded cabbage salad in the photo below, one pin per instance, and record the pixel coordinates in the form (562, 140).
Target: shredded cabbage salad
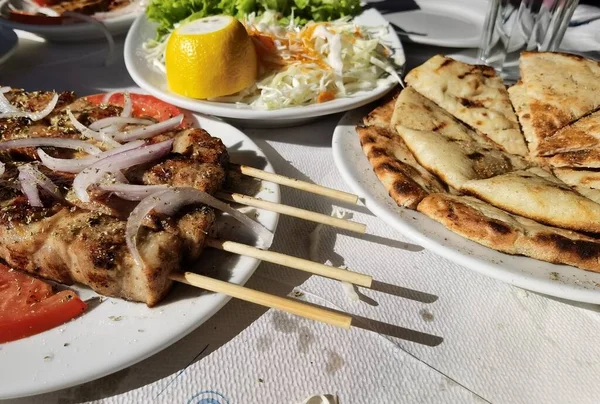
(302, 65)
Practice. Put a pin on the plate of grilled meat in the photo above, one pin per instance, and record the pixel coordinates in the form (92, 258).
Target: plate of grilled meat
(149, 211)
(68, 20)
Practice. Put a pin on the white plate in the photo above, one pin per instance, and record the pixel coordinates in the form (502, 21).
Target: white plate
(8, 43)
(555, 280)
(94, 345)
(78, 32)
(450, 23)
(155, 83)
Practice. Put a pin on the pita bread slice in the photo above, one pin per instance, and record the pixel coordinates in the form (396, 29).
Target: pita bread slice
(561, 88)
(406, 181)
(382, 115)
(473, 94)
(587, 183)
(518, 98)
(494, 228)
(581, 135)
(586, 158)
(538, 195)
(414, 111)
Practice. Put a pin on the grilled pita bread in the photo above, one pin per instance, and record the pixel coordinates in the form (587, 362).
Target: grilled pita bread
(382, 115)
(406, 181)
(494, 228)
(538, 195)
(446, 147)
(473, 94)
(518, 98)
(560, 88)
(587, 183)
(414, 111)
(584, 134)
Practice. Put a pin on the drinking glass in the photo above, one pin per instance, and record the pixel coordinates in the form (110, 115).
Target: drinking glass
(513, 26)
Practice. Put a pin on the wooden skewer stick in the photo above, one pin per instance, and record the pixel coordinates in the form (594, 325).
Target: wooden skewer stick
(292, 262)
(294, 183)
(293, 211)
(264, 299)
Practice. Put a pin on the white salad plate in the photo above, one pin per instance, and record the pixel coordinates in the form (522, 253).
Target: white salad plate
(8, 43)
(555, 280)
(113, 333)
(81, 31)
(154, 82)
(448, 23)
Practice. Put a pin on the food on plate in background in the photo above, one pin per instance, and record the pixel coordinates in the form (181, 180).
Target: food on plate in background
(56, 12)
(297, 64)
(29, 306)
(210, 57)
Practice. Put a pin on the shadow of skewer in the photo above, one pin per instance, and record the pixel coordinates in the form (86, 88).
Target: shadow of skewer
(403, 292)
(391, 330)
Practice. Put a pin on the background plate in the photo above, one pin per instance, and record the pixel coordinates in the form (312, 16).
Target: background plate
(556, 280)
(155, 82)
(115, 333)
(450, 23)
(76, 32)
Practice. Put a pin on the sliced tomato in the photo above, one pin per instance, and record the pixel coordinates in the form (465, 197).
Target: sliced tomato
(29, 306)
(143, 105)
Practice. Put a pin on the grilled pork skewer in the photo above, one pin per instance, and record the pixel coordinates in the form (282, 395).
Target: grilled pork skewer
(76, 241)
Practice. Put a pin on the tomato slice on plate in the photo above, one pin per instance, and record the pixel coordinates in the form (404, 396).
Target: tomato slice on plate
(29, 306)
(143, 105)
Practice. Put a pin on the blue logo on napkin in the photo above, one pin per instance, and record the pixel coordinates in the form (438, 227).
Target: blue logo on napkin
(208, 397)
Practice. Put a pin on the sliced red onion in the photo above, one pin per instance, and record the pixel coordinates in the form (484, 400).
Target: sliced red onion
(133, 192)
(118, 120)
(116, 163)
(77, 165)
(5, 89)
(34, 116)
(2, 169)
(29, 189)
(127, 106)
(5, 105)
(107, 96)
(87, 132)
(74, 144)
(30, 177)
(150, 130)
(169, 201)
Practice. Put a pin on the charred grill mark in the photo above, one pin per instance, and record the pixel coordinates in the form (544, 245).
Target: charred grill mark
(470, 103)
(584, 249)
(445, 63)
(439, 126)
(389, 167)
(104, 256)
(475, 156)
(376, 152)
(499, 227)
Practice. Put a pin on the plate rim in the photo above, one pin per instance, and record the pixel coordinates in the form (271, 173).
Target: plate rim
(478, 264)
(214, 309)
(131, 57)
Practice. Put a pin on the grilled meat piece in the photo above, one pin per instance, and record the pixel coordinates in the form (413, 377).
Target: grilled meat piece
(68, 241)
(68, 244)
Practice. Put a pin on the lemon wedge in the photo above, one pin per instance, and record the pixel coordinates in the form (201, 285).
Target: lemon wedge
(210, 57)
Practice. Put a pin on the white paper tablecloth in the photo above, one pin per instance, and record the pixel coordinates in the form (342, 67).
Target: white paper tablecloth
(493, 342)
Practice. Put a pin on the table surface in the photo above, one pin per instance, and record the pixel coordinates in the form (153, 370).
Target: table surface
(493, 343)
